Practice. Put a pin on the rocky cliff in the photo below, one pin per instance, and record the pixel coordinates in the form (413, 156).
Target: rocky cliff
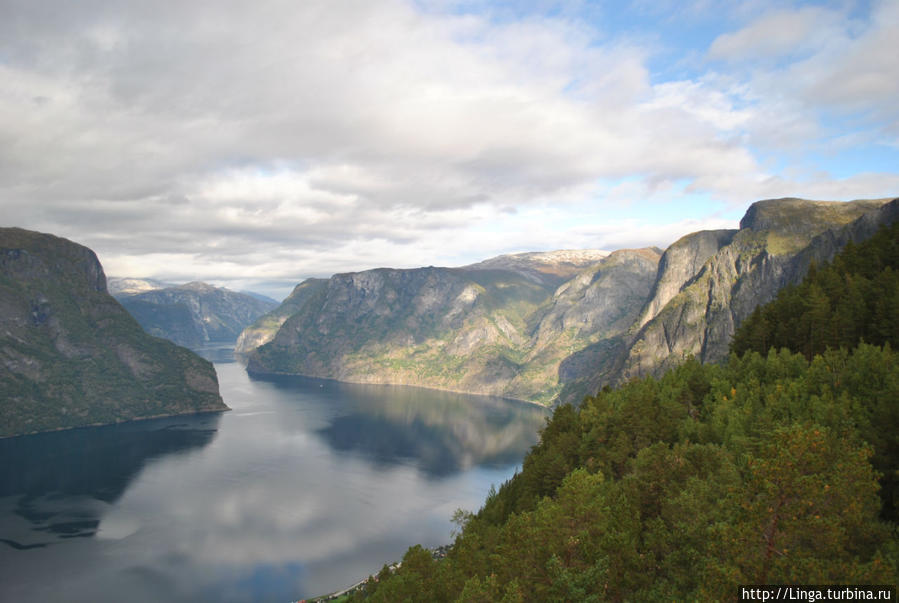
(501, 327)
(194, 314)
(709, 282)
(264, 328)
(71, 356)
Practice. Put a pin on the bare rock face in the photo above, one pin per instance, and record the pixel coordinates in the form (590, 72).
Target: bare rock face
(680, 264)
(71, 356)
(777, 241)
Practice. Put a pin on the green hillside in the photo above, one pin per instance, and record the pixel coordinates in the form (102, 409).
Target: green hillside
(774, 467)
(855, 298)
(71, 356)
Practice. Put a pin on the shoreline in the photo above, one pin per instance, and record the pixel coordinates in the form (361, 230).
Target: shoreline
(393, 384)
(437, 553)
(120, 422)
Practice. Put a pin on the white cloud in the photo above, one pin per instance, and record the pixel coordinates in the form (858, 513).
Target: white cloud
(283, 139)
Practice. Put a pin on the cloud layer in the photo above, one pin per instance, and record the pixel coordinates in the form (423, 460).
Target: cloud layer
(275, 140)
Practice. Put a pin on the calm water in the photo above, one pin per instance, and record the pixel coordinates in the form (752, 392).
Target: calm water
(303, 488)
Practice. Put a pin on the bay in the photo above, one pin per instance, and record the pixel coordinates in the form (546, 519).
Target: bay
(303, 488)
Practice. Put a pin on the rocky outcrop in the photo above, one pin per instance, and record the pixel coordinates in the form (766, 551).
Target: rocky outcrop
(195, 314)
(70, 355)
(680, 264)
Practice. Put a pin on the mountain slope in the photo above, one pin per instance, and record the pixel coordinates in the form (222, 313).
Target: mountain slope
(195, 314)
(541, 326)
(501, 327)
(70, 355)
(776, 242)
(264, 328)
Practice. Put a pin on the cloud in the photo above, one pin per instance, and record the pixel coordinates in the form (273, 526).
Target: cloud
(289, 139)
(781, 33)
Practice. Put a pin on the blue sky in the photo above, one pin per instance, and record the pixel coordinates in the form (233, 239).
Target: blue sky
(256, 144)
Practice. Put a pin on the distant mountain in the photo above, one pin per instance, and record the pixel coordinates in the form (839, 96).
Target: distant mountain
(500, 327)
(120, 286)
(71, 356)
(263, 298)
(195, 314)
(554, 325)
(550, 268)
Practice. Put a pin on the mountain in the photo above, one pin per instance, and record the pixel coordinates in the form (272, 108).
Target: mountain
(709, 282)
(195, 314)
(550, 268)
(554, 325)
(70, 355)
(501, 327)
(264, 298)
(264, 328)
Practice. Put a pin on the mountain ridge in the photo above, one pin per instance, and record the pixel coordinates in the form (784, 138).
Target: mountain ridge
(195, 314)
(563, 339)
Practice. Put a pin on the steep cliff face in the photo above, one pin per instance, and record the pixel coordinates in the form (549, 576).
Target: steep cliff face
(500, 327)
(195, 314)
(430, 326)
(680, 264)
(264, 328)
(70, 355)
(777, 241)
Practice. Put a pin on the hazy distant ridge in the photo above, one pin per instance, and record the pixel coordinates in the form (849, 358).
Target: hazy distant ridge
(193, 314)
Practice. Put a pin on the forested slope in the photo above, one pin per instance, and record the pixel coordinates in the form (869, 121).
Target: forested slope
(778, 466)
(855, 298)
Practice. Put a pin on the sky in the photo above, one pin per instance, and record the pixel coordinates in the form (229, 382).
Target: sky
(255, 144)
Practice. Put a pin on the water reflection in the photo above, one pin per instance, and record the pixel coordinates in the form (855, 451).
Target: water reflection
(92, 466)
(306, 487)
(440, 432)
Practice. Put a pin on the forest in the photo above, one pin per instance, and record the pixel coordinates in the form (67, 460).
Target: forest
(778, 466)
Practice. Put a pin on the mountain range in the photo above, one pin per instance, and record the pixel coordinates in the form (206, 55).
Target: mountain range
(545, 327)
(194, 314)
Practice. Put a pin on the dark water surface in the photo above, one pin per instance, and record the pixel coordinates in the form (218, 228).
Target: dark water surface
(303, 488)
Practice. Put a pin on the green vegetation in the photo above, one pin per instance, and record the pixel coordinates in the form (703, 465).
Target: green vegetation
(778, 466)
(855, 298)
(71, 356)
